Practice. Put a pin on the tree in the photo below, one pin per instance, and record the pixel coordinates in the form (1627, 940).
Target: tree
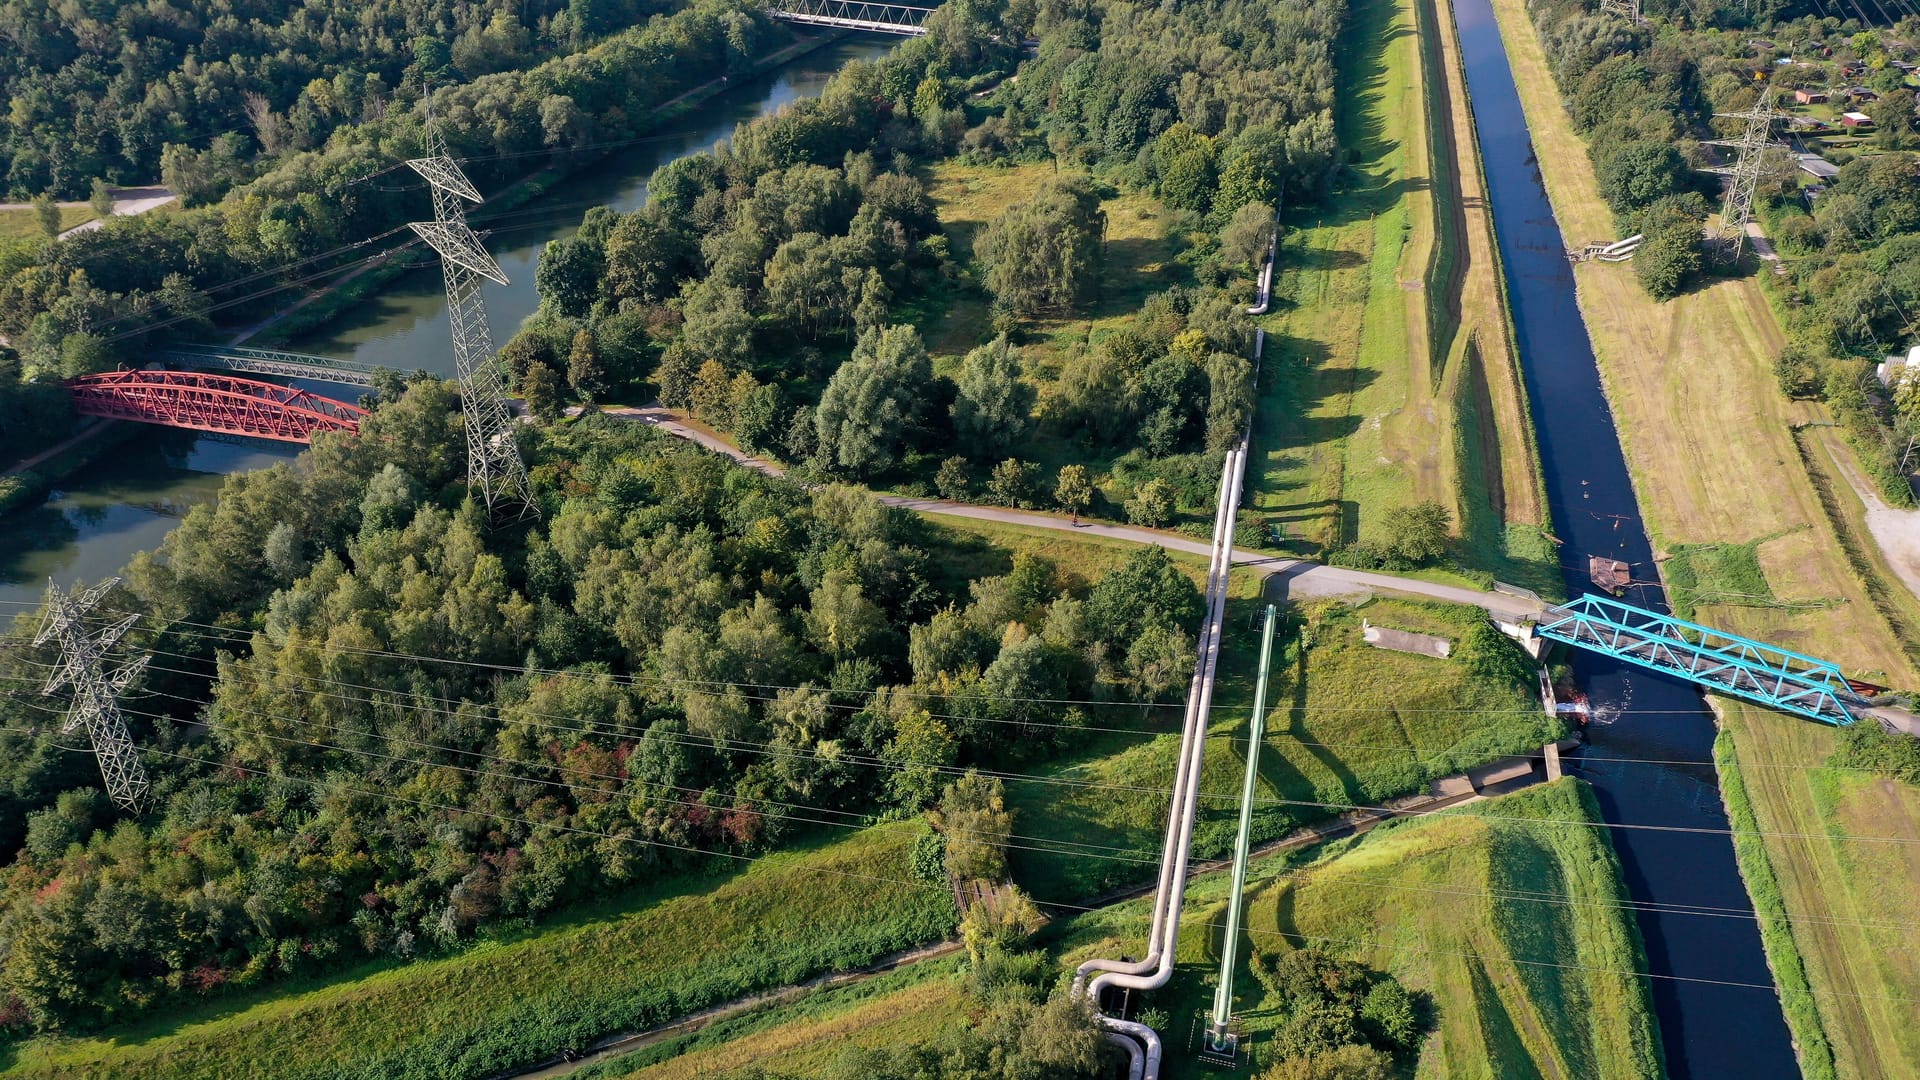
(712, 393)
(1152, 504)
(47, 212)
(1044, 254)
(974, 816)
(1243, 242)
(100, 199)
(1668, 259)
(1012, 482)
(873, 405)
(1417, 534)
(1637, 174)
(1252, 168)
(759, 413)
(541, 389)
(954, 481)
(1229, 400)
(584, 371)
(1073, 490)
(568, 276)
(993, 407)
(1893, 120)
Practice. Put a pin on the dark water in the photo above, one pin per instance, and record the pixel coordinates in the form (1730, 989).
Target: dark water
(1708, 1031)
(123, 504)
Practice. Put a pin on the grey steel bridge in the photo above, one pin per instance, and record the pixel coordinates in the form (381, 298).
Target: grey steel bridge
(876, 18)
(290, 365)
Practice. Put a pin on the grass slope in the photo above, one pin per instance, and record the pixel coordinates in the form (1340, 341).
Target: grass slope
(1411, 899)
(26, 222)
(685, 944)
(1391, 377)
(1691, 390)
(1348, 724)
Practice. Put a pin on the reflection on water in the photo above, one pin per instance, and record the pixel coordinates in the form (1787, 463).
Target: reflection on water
(101, 516)
(406, 327)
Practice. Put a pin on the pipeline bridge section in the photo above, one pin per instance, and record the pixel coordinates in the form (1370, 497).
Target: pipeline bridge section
(875, 18)
(286, 365)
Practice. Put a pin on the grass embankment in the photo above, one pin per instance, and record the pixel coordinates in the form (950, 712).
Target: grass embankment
(1391, 375)
(1348, 724)
(687, 943)
(1412, 899)
(26, 222)
(1709, 438)
(1518, 989)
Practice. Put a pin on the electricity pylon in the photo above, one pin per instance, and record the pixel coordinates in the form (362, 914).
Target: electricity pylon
(1745, 177)
(493, 459)
(95, 692)
(1626, 9)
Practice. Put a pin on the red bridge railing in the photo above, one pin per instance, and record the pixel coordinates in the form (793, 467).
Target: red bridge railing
(212, 402)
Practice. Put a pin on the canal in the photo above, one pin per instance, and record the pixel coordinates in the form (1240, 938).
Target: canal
(123, 504)
(1694, 915)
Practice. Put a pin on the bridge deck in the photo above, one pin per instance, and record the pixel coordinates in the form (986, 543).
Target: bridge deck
(878, 18)
(1714, 659)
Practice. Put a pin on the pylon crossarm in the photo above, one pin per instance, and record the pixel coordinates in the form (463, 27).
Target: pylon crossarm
(444, 173)
(457, 244)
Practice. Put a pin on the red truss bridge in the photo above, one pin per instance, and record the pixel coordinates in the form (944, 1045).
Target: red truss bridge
(212, 402)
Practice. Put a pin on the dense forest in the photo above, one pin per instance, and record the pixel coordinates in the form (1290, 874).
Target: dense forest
(132, 92)
(684, 656)
(754, 288)
(98, 299)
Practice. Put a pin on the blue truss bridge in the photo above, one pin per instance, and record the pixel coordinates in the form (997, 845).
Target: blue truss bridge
(1713, 659)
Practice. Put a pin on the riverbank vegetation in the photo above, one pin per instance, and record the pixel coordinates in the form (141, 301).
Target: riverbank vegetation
(1692, 380)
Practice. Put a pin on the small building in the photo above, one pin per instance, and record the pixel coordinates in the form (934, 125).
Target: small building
(1859, 94)
(1811, 194)
(1810, 97)
(1852, 69)
(1816, 166)
(1856, 122)
(1888, 371)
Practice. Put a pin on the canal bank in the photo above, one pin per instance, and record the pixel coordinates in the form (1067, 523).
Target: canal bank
(101, 515)
(1639, 718)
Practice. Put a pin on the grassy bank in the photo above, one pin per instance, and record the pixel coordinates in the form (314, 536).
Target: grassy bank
(29, 486)
(1692, 392)
(1392, 377)
(1348, 724)
(26, 222)
(1412, 899)
(681, 945)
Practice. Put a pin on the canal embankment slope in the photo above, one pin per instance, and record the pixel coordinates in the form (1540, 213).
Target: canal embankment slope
(1711, 446)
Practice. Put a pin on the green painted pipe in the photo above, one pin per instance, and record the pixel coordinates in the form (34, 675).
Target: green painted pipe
(1223, 994)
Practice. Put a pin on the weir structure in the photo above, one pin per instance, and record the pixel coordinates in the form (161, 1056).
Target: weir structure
(493, 458)
(1714, 659)
(95, 692)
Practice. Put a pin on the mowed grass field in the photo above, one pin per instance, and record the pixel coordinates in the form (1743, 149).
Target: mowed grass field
(687, 943)
(26, 222)
(1390, 376)
(1707, 435)
(1518, 989)
(1347, 725)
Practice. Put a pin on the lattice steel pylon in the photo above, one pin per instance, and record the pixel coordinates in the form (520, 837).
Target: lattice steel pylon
(1626, 9)
(493, 459)
(95, 691)
(1745, 177)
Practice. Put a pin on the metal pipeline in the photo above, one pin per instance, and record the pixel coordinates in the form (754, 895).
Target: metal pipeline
(1165, 935)
(1190, 725)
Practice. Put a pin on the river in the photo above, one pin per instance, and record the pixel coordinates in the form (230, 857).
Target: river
(1708, 1030)
(102, 515)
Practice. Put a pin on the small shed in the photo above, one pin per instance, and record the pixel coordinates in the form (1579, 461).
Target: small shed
(1856, 94)
(1856, 121)
(1810, 97)
(1816, 166)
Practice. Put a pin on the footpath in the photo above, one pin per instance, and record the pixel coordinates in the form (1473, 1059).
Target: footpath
(1298, 577)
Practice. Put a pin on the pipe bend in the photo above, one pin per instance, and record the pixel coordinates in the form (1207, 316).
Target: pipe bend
(1143, 1064)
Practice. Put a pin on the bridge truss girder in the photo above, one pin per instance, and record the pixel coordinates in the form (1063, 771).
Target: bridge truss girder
(203, 401)
(853, 15)
(1713, 659)
(289, 365)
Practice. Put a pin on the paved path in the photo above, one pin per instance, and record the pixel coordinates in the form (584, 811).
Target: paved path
(86, 432)
(1295, 577)
(126, 203)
